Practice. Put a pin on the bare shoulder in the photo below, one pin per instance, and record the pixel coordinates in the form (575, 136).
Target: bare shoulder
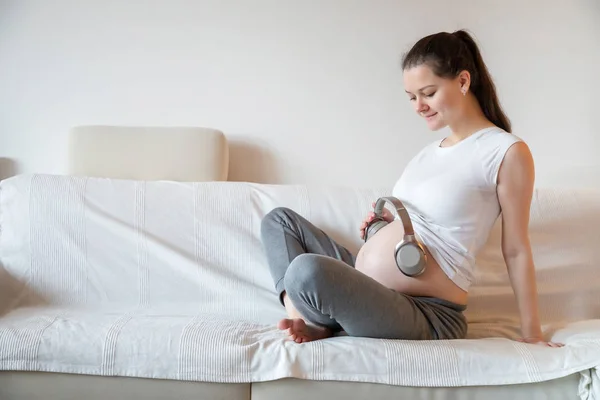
(518, 164)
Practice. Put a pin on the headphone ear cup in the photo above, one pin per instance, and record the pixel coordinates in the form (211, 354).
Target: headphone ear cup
(410, 259)
(373, 227)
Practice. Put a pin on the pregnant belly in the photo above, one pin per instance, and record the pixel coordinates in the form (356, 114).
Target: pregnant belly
(376, 259)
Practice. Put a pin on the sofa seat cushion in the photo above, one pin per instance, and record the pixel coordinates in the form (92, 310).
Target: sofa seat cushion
(163, 343)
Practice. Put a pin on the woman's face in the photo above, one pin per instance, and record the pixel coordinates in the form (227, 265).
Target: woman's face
(436, 99)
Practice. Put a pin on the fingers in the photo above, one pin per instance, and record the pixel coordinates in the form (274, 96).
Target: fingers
(362, 228)
(367, 220)
(541, 343)
(551, 344)
(364, 224)
(556, 345)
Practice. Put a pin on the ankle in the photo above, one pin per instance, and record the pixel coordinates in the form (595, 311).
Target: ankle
(290, 308)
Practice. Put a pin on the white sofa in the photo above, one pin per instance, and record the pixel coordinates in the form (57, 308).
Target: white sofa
(160, 289)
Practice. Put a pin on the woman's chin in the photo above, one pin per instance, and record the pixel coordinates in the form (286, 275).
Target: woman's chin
(435, 126)
(435, 123)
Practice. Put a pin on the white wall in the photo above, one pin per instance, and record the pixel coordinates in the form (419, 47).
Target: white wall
(307, 91)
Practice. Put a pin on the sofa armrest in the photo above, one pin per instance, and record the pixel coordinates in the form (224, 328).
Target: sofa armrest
(149, 153)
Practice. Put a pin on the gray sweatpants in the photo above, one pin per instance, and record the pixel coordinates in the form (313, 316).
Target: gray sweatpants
(319, 278)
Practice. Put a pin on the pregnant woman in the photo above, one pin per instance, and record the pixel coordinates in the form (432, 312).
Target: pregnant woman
(453, 189)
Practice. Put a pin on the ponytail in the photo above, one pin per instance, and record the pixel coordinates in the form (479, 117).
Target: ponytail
(484, 88)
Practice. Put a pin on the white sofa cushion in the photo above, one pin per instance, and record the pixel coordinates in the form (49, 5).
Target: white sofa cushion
(169, 280)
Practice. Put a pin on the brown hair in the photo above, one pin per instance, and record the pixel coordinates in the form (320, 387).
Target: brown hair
(447, 54)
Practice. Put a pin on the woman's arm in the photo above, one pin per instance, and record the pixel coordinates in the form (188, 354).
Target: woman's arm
(515, 190)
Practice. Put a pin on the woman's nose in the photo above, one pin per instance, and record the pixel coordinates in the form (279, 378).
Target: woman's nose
(420, 106)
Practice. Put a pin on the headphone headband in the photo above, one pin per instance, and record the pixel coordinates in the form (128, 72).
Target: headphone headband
(400, 209)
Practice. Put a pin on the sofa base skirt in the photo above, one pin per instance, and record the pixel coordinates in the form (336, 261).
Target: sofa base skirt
(15, 385)
(48, 385)
(565, 388)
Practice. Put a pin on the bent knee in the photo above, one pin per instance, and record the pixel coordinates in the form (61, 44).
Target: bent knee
(276, 216)
(280, 212)
(308, 272)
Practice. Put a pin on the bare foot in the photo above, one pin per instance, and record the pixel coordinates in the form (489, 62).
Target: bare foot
(300, 332)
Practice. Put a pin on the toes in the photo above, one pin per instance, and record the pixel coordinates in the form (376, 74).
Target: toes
(284, 324)
(297, 330)
(298, 325)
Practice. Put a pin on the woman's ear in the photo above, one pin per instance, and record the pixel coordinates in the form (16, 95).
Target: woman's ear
(464, 80)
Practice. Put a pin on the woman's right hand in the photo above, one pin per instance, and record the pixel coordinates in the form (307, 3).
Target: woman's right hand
(386, 215)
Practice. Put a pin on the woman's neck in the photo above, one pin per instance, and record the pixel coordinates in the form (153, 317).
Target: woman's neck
(471, 121)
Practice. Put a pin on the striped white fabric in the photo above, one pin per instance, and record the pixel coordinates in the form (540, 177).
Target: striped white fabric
(169, 280)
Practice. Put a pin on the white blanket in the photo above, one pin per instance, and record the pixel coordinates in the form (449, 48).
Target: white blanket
(169, 280)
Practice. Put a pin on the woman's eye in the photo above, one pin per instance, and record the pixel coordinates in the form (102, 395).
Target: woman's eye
(430, 95)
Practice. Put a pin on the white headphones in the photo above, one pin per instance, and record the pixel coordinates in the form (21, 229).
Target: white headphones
(409, 254)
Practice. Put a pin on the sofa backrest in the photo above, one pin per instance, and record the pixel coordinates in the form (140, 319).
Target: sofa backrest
(564, 231)
(195, 247)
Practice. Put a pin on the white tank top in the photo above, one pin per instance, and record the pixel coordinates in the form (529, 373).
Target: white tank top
(450, 195)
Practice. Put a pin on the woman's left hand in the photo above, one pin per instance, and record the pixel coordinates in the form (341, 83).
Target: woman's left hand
(540, 342)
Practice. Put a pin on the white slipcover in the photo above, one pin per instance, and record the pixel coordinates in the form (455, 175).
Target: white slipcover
(169, 280)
